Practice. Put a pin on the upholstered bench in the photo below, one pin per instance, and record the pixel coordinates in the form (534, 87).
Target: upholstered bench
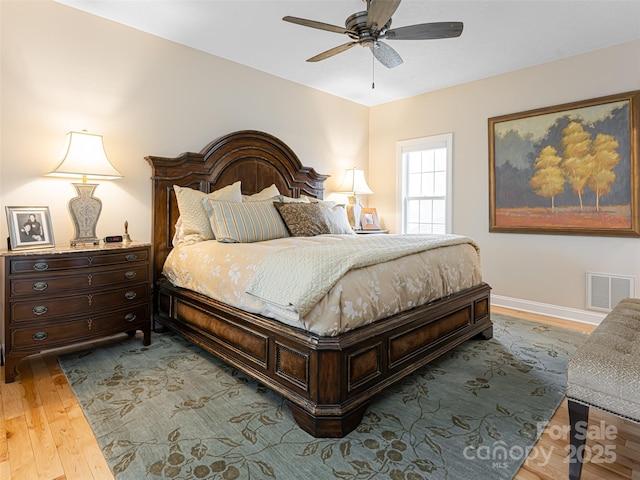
(604, 373)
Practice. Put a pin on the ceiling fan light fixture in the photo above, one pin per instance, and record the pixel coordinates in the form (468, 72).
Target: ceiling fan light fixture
(362, 29)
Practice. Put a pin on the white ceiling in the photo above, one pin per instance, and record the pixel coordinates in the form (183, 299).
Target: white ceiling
(498, 37)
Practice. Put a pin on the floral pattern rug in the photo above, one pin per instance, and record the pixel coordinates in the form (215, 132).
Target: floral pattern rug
(171, 410)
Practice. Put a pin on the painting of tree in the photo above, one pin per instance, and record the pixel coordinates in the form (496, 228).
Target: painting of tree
(549, 178)
(577, 157)
(605, 159)
(568, 169)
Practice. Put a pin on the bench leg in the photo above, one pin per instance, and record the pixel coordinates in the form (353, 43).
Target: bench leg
(578, 419)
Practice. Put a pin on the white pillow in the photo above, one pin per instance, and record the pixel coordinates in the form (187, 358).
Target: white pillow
(337, 219)
(264, 194)
(178, 236)
(302, 199)
(195, 222)
(316, 200)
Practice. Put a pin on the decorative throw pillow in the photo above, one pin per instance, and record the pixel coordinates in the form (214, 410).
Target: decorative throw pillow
(195, 222)
(337, 219)
(246, 222)
(304, 219)
(264, 194)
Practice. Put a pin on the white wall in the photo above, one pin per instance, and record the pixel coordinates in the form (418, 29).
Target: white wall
(545, 269)
(63, 69)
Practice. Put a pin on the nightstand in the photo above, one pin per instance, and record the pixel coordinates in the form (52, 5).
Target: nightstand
(57, 297)
(369, 232)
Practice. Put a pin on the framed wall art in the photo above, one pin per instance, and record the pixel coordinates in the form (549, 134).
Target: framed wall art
(29, 227)
(567, 169)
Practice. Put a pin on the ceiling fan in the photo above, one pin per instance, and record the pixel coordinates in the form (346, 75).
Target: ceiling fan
(369, 28)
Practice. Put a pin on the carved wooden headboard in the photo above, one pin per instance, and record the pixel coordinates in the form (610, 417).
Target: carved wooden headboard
(255, 158)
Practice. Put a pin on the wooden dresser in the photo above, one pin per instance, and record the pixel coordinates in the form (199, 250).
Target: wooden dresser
(58, 297)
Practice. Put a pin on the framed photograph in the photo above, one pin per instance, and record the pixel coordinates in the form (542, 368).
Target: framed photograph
(369, 219)
(29, 227)
(567, 169)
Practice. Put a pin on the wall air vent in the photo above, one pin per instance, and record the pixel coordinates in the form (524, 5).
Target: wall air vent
(604, 290)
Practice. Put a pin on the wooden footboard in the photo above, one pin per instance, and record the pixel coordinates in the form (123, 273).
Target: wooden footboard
(327, 381)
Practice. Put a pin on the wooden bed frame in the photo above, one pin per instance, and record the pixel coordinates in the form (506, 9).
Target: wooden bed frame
(327, 381)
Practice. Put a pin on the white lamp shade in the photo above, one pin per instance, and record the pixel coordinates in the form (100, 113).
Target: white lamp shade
(84, 157)
(354, 182)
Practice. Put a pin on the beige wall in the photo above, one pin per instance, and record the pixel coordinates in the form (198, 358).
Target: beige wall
(547, 269)
(63, 69)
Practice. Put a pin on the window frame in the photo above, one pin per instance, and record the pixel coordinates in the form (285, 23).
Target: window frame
(419, 144)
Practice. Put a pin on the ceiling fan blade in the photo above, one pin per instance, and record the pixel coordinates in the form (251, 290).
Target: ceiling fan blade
(426, 31)
(331, 52)
(379, 13)
(386, 55)
(319, 25)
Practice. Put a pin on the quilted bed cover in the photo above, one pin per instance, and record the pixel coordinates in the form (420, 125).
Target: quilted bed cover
(365, 279)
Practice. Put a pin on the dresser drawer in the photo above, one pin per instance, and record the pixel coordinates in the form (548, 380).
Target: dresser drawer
(46, 285)
(52, 263)
(50, 335)
(80, 304)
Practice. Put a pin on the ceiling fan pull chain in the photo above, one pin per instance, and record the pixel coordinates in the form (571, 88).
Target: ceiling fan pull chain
(373, 72)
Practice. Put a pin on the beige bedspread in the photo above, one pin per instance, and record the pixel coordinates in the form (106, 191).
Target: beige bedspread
(362, 295)
(294, 279)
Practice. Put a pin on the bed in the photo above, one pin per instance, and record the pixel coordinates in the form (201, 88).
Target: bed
(327, 380)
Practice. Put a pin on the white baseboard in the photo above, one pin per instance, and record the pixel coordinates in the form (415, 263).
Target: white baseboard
(573, 314)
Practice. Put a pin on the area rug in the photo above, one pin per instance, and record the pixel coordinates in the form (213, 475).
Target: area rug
(171, 410)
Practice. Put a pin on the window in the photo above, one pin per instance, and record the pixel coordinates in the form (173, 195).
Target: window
(425, 190)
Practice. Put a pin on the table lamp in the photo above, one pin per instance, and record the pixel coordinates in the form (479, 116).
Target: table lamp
(84, 158)
(355, 184)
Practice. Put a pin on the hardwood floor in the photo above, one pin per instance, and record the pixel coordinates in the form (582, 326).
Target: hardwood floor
(615, 439)
(45, 436)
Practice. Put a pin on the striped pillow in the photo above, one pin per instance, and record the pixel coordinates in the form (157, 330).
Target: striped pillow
(196, 225)
(246, 222)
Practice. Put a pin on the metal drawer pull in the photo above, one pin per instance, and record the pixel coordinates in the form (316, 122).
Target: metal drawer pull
(39, 336)
(130, 295)
(131, 257)
(39, 310)
(130, 274)
(41, 266)
(130, 317)
(39, 286)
